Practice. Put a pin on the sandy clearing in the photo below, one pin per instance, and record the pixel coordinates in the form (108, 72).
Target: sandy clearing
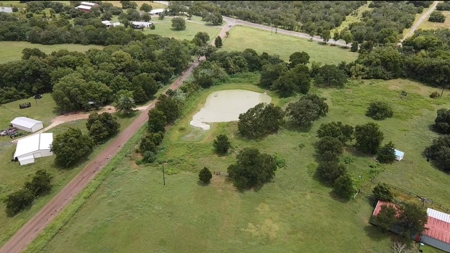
(226, 105)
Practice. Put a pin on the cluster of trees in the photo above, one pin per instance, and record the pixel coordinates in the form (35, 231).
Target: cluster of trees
(71, 146)
(289, 15)
(252, 169)
(443, 6)
(409, 217)
(97, 75)
(178, 24)
(17, 201)
(209, 12)
(101, 127)
(168, 108)
(437, 16)
(439, 150)
(333, 136)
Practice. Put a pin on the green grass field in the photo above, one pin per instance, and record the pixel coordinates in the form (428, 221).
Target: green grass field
(242, 38)
(12, 50)
(13, 176)
(427, 25)
(132, 211)
(164, 28)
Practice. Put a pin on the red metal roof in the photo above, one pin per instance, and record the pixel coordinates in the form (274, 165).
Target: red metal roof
(438, 229)
(380, 204)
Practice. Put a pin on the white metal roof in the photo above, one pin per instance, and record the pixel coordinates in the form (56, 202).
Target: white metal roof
(83, 7)
(89, 4)
(141, 23)
(25, 122)
(28, 157)
(438, 215)
(33, 143)
(6, 9)
(156, 11)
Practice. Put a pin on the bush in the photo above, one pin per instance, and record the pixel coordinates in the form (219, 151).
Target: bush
(382, 192)
(148, 157)
(330, 171)
(368, 138)
(437, 16)
(205, 175)
(439, 151)
(344, 133)
(343, 187)
(221, 144)
(435, 94)
(40, 184)
(329, 144)
(17, 201)
(386, 154)
(442, 121)
(379, 111)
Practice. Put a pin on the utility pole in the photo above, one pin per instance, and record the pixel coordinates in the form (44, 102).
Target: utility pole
(164, 176)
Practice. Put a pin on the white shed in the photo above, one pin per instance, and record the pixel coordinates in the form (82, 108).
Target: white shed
(35, 146)
(156, 11)
(398, 155)
(27, 124)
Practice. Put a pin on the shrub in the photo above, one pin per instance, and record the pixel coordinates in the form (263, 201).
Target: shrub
(221, 144)
(442, 121)
(386, 154)
(148, 157)
(439, 151)
(382, 192)
(17, 201)
(205, 175)
(329, 144)
(437, 16)
(330, 171)
(343, 133)
(368, 138)
(379, 111)
(435, 94)
(343, 187)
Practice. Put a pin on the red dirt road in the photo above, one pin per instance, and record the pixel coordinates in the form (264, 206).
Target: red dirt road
(35, 225)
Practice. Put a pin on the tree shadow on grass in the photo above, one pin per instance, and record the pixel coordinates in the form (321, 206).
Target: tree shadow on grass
(202, 184)
(375, 233)
(127, 115)
(291, 126)
(355, 152)
(337, 198)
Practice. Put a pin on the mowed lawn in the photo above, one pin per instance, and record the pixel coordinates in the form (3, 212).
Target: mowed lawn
(13, 176)
(427, 25)
(132, 211)
(164, 28)
(241, 38)
(12, 50)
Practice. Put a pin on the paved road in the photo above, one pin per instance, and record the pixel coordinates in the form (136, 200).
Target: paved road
(420, 21)
(233, 21)
(36, 224)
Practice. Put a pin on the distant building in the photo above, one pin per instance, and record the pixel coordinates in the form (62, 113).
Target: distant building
(35, 146)
(140, 25)
(85, 6)
(156, 11)
(27, 124)
(6, 9)
(110, 24)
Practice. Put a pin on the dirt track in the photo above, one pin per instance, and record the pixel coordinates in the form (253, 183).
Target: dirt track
(36, 224)
(420, 21)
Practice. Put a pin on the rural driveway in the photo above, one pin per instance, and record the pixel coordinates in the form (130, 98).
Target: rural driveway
(233, 21)
(420, 21)
(36, 224)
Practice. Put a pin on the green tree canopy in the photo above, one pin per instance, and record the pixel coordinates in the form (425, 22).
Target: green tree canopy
(101, 127)
(343, 133)
(218, 42)
(330, 171)
(442, 121)
(439, 152)
(252, 169)
(330, 76)
(343, 187)
(178, 24)
(156, 121)
(205, 175)
(18, 201)
(261, 120)
(221, 144)
(386, 218)
(40, 184)
(368, 138)
(386, 154)
(170, 106)
(298, 58)
(329, 144)
(379, 110)
(308, 109)
(124, 101)
(71, 146)
(413, 218)
(382, 192)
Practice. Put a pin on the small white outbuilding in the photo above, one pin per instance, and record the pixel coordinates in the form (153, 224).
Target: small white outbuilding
(35, 146)
(27, 124)
(156, 11)
(398, 155)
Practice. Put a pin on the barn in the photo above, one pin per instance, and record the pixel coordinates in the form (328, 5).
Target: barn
(437, 232)
(27, 124)
(35, 146)
(86, 6)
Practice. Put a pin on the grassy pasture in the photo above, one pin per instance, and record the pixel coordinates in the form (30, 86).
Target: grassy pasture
(12, 50)
(164, 28)
(242, 38)
(133, 211)
(13, 176)
(427, 25)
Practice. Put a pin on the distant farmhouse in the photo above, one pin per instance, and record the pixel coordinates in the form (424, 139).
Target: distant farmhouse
(156, 11)
(85, 6)
(6, 9)
(140, 25)
(110, 24)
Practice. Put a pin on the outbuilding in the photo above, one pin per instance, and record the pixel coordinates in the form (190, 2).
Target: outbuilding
(35, 146)
(399, 155)
(6, 9)
(27, 124)
(156, 11)
(437, 230)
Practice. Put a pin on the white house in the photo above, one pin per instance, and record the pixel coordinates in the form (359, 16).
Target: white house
(145, 24)
(27, 124)
(109, 23)
(83, 8)
(35, 146)
(398, 155)
(156, 11)
(6, 9)
(437, 230)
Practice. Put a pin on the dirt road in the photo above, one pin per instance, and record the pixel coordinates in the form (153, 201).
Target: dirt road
(420, 21)
(36, 224)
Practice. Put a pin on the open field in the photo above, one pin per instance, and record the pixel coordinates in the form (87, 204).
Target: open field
(353, 19)
(133, 211)
(261, 41)
(139, 3)
(427, 25)
(12, 50)
(164, 28)
(13, 176)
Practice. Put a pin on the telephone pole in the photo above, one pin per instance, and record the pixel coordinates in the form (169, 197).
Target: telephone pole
(164, 177)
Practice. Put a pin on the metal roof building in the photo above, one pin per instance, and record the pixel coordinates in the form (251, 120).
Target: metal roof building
(35, 146)
(27, 124)
(437, 232)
